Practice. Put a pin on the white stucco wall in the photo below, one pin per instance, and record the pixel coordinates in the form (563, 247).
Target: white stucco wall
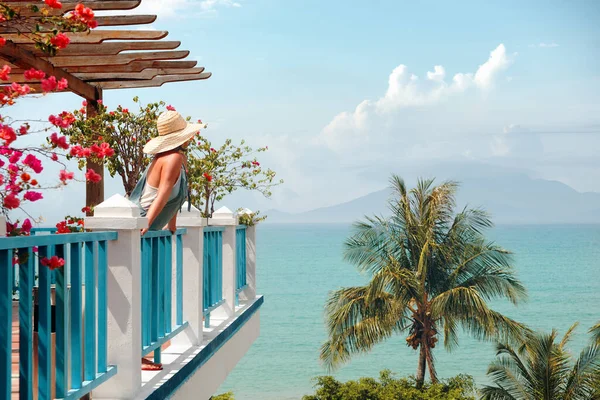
(213, 373)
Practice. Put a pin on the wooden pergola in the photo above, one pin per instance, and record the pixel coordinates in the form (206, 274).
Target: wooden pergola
(101, 59)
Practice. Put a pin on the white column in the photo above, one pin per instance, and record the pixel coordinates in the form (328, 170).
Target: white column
(124, 294)
(224, 217)
(2, 226)
(193, 244)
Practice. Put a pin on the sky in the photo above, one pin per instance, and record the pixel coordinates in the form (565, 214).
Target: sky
(347, 93)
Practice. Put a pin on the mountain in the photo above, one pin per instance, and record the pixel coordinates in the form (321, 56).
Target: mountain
(511, 198)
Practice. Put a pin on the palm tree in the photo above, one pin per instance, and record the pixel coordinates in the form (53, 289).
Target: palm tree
(541, 368)
(595, 331)
(431, 271)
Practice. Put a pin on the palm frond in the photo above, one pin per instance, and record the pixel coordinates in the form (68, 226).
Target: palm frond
(585, 375)
(356, 321)
(497, 393)
(466, 306)
(595, 331)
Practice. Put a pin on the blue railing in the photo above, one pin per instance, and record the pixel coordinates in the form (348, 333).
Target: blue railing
(34, 232)
(81, 279)
(240, 257)
(212, 270)
(157, 293)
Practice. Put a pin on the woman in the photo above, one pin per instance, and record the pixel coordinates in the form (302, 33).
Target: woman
(163, 187)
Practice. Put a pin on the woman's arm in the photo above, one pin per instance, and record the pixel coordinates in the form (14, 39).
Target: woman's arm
(168, 177)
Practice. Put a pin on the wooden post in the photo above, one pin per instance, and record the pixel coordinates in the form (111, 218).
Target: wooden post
(94, 192)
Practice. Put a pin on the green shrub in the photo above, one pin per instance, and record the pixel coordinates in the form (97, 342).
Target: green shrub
(461, 387)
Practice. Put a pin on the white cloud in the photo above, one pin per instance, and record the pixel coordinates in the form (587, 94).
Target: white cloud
(406, 90)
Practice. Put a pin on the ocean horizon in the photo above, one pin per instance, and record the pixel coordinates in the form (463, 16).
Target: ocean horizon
(298, 265)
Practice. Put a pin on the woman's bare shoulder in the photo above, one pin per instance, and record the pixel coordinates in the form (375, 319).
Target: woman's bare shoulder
(171, 160)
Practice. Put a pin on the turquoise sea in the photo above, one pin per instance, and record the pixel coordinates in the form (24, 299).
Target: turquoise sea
(297, 265)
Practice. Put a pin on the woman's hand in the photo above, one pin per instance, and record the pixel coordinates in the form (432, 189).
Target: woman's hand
(144, 231)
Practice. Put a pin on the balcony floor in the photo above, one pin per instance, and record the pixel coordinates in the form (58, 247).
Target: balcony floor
(181, 362)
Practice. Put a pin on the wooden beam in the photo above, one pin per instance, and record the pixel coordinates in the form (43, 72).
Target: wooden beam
(97, 36)
(83, 61)
(135, 66)
(26, 60)
(156, 82)
(112, 76)
(23, 7)
(109, 20)
(107, 48)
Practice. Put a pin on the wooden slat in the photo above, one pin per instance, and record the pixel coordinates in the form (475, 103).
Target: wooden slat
(156, 82)
(98, 76)
(97, 5)
(97, 36)
(24, 59)
(107, 48)
(81, 61)
(109, 20)
(135, 66)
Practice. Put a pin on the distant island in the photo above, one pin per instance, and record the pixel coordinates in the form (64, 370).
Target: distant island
(511, 198)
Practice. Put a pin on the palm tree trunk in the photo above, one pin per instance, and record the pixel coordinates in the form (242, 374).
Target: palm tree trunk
(431, 366)
(421, 366)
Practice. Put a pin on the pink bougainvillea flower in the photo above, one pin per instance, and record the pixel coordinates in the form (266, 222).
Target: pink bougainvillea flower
(54, 157)
(4, 73)
(62, 84)
(22, 90)
(34, 163)
(53, 262)
(92, 176)
(33, 196)
(213, 150)
(170, 108)
(23, 129)
(103, 150)
(207, 176)
(11, 201)
(15, 157)
(2, 42)
(66, 176)
(49, 84)
(7, 134)
(59, 141)
(78, 151)
(61, 41)
(26, 227)
(125, 110)
(34, 74)
(86, 210)
(53, 3)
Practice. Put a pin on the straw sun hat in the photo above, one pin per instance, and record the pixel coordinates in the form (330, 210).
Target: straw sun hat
(173, 131)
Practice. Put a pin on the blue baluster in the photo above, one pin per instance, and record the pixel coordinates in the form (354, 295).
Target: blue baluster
(179, 316)
(76, 320)
(44, 329)
(161, 287)
(90, 313)
(102, 306)
(61, 315)
(154, 297)
(168, 282)
(146, 282)
(26, 272)
(6, 271)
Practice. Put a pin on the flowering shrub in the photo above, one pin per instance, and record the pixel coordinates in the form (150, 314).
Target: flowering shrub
(217, 172)
(43, 26)
(122, 134)
(20, 167)
(250, 219)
